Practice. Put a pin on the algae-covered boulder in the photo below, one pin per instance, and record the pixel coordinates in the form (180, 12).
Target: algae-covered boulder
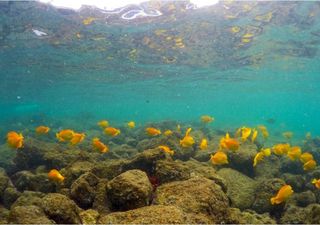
(29, 198)
(4, 214)
(304, 199)
(28, 215)
(4, 180)
(313, 214)
(75, 170)
(168, 171)
(101, 202)
(155, 214)
(293, 215)
(129, 190)
(241, 188)
(248, 217)
(198, 196)
(10, 195)
(242, 159)
(60, 208)
(83, 190)
(268, 168)
(264, 191)
(89, 216)
(108, 169)
(297, 182)
(26, 180)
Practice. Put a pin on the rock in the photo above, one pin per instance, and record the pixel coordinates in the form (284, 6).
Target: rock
(60, 208)
(10, 195)
(4, 214)
(199, 196)
(28, 215)
(75, 170)
(248, 217)
(4, 180)
(29, 198)
(89, 216)
(108, 169)
(289, 166)
(155, 214)
(124, 151)
(304, 199)
(241, 188)
(168, 171)
(268, 168)
(129, 190)
(101, 203)
(296, 181)
(145, 160)
(313, 214)
(264, 191)
(242, 159)
(25, 180)
(131, 141)
(293, 215)
(83, 190)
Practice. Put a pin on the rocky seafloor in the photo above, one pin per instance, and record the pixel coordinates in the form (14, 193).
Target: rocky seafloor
(136, 182)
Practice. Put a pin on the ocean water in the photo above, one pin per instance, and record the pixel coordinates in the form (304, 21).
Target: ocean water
(111, 71)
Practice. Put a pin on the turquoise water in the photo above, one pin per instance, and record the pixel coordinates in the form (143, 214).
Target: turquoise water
(112, 72)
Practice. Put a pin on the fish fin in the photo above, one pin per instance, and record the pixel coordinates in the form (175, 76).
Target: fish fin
(314, 181)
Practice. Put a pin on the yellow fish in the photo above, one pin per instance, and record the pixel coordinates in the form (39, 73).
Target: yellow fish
(97, 144)
(42, 130)
(55, 175)
(264, 131)
(188, 140)
(206, 119)
(103, 123)
(178, 128)
(166, 149)
(280, 149)
(245, 133)
(219, 158)
(287, 134)
(168, 132)
(111, 131)
(229, 143)
(131, 124)
(254, 135)
(151, 131)
(260, 156)
(308, 135)
(310, 165)
(305, 157)
(77, 138)
(283, 194)
(294, 153)
(203, 144)
(15, 140)
(65, 135)
(316, 183)
(88, 20)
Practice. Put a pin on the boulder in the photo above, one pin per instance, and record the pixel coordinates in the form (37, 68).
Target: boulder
(28, 215)
(89, 216)
(129, 190)
(248, 217)
(29, 198)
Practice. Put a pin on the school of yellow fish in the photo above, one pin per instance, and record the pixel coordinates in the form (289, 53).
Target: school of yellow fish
(220, 157)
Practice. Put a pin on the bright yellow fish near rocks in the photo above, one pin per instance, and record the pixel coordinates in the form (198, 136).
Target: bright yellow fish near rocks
(77, 138)
(111, 131)
(151, 131)
(166, 149)
(203, 144)
(206, 119)
(188, 140)
(316, 183)
(281, 149)
(219, 158)
(42, 130)
(98, 145)
(168, 132)
(245, 133)
(254, 136)
(310, 165)
(260, 156)
(103, 123)
(229, 143)
(65, 135)
(294, 153)
(131, 124)
(56, 176)
(283, 194)
(264, 131)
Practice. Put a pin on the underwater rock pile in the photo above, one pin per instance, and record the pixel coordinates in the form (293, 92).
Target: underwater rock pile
(162, 179)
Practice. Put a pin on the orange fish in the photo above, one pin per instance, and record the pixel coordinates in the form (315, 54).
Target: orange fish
(219, 158)
(111, 131)
(260, 156)
(55, 175)
(77, 138)
(97, 144)
(294, 153)
(15, 140)
(229, 143)
(310, 165)
(283, 194)
(65, 135)
(188, 140)
(42, 130)
(305, 157)
(166, 149)
(280, 149)
(206, 119)
(103, 123)
(151, 131)
(316, 183)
